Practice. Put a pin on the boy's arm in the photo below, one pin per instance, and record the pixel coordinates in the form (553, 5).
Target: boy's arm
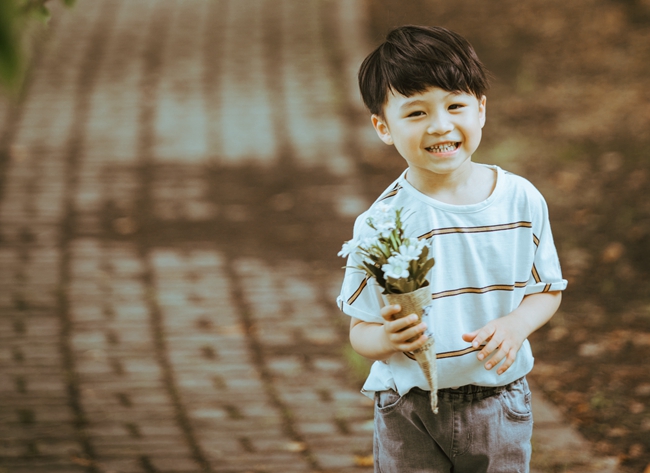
(505, 335)
(380, 341)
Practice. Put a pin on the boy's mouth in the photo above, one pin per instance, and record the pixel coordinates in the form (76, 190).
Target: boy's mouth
(443, 147)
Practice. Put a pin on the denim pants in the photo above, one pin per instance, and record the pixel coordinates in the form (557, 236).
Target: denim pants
(477, 429)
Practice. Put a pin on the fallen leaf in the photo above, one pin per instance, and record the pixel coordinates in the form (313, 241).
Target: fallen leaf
(19, 153)
(295, 447)
(641, 339)
(557, 333)
(592, 349)
(637, 407)
(125, 225)
(364, 460)
(612, 252)
(235, 329)
(574, 397)
(582, 408)
(567, 180)
(575, 261)
(642, 389)
(636, 450)
(604, 447)
(611, 161)
(618, 432)
(82, 461)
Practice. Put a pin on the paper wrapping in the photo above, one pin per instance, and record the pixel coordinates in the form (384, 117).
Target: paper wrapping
(415, 303)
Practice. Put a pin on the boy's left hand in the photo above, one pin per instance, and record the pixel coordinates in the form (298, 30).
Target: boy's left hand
(504, 337)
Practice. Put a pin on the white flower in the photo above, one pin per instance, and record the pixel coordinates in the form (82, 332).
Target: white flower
(348, 247)
(368, 242)
(385, 227)
(396, 268)
(383, 214)
(384, 209)
(411, 251)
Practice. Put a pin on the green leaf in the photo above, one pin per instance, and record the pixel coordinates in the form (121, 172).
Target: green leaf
(426, 267)
(41, 13)
(399, 286)
(392, 289)
(11, 59)
(413, 267)
(375, 272)
(423, 255)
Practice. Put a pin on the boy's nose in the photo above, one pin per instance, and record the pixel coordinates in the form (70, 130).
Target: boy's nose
(439, 125)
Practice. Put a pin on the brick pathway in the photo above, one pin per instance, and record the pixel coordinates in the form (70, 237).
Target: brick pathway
(172, 179)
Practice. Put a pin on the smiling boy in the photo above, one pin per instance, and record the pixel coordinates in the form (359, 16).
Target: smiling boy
(496, 279)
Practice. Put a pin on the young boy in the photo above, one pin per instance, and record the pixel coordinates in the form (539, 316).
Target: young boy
(496, 278)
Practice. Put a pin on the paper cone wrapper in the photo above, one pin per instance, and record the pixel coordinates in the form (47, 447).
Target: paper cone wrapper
(415, 303)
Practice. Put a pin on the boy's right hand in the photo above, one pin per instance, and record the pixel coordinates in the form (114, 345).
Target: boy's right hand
(403, 334)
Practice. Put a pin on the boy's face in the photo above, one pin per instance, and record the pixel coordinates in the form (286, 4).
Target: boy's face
(435, 131)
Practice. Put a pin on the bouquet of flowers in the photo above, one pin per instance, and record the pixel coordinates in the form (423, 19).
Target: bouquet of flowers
(400, 265)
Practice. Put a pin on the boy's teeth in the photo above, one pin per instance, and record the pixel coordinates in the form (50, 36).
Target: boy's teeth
(443, 147)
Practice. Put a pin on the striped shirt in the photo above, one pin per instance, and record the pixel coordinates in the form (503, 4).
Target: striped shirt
(488, 256)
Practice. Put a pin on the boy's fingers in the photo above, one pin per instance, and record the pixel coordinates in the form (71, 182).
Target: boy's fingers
(414, 345)
(496, 359)
(482, 336)
(468, 337)
(406, 334)
(387, 312)
(510, 359)
(409, 334)
(489, 347)
(403, 323)
(504, 351)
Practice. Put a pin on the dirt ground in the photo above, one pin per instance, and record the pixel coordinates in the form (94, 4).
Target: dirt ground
(568, 109)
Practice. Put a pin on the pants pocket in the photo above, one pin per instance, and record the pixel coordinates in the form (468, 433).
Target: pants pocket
(387, 400)
(516, 402)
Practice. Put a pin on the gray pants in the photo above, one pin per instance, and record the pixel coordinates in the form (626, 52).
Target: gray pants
(478, 429)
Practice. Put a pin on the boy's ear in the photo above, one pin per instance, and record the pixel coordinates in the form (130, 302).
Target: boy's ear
(481, 110)
(382, 129)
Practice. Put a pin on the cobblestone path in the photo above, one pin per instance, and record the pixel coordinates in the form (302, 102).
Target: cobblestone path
(175, 182)
(166, 160)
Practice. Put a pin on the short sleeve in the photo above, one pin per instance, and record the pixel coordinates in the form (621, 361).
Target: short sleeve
(546, 274)
(360, 296)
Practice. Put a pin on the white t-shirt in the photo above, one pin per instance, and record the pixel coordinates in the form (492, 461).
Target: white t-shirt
(488, 256)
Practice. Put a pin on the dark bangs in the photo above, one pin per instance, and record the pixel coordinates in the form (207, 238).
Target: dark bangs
(414, 58)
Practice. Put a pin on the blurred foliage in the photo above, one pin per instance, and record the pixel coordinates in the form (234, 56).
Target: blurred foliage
(358, 367)
(19, 19)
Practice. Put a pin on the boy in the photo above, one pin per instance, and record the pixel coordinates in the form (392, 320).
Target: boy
(496, 278)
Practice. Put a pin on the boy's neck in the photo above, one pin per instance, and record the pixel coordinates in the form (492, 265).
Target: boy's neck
(470, 184)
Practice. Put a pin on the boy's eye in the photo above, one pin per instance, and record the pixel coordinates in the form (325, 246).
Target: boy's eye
(455, 106)
(416, 114)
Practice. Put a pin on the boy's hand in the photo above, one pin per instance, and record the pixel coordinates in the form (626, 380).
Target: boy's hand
(504, 338)
(403, 334)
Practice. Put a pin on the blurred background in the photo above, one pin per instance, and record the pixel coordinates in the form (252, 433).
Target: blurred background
(177, 176)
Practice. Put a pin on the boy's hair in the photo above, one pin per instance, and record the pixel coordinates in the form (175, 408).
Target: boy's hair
(414, 58)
